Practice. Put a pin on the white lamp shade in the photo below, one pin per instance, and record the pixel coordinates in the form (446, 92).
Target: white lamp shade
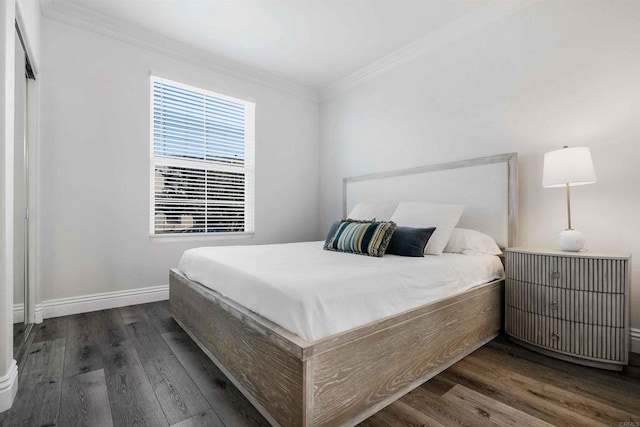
(571, 166)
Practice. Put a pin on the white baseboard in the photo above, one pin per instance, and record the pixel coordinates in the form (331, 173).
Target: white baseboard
(8, 386)
(635, 340)
(94, 302)
(39, 316)
(18, 313)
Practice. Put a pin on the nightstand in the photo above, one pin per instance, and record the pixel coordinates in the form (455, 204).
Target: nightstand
(569, 305)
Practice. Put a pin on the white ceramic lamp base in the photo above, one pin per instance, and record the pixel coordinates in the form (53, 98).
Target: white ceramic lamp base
(570, 240)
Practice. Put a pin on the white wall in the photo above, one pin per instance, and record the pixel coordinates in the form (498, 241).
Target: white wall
(28, 13)
(7, 38)
(94, 176)
(552, 74)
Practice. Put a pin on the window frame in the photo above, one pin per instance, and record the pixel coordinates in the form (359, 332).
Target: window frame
(248, 167)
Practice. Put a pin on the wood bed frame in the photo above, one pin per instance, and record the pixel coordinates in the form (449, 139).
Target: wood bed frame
(347, 377)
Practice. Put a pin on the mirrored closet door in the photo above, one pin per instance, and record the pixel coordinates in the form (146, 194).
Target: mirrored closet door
(21, 323)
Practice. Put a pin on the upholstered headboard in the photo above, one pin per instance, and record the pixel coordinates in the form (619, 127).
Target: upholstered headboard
(487, 186)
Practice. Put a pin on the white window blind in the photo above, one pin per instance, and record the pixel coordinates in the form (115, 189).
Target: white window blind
(202, 161)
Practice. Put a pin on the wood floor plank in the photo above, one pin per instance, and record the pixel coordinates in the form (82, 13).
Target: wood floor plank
(386, 418)
(20, 344)
(179, 396)
(22, 357)
(621, 379)
(82, 351)
(229, 403)
(590, 408)
(515, 394)
(38, 400)
(132, 314)
(501, 414)
(85, 401)
(376, 420)
(51, 329)
(144, 376)
(633, 370)
(500, 394)
(445, 412)
(160, 317)
(590, 383)
(131, 397)
(208, 418)
(400, 414)
(438, 385)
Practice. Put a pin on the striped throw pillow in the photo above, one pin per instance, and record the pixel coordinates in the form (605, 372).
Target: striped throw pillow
(361, 237)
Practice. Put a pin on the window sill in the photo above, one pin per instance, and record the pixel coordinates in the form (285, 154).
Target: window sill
(190, 237)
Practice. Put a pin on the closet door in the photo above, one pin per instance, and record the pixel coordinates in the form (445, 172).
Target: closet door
(20, 193)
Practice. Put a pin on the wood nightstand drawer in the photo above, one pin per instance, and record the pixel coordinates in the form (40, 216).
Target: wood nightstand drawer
(570, 272)
(569, 305)
(572, 338)
(594, 308)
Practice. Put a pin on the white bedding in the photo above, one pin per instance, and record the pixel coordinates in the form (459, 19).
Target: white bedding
(316, 293)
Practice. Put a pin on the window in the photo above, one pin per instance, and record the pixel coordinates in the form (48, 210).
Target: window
(202, 168)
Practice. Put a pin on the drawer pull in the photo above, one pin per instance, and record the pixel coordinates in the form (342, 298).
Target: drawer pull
(555, 275)
(555, 337)
(554, 306)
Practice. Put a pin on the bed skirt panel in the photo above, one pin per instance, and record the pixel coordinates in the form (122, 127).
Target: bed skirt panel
(342, 379)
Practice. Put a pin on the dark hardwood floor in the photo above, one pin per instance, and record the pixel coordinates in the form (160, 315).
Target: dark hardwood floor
(135, 366)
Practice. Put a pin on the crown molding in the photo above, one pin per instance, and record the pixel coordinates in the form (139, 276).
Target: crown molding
(454, 30)
(104, 25)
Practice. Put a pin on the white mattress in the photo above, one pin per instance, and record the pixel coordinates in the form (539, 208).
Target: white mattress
(316, 293)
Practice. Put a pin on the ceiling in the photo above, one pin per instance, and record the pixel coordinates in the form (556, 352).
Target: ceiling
(313, 43)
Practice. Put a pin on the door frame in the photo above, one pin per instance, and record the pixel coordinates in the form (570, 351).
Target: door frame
(32, 309)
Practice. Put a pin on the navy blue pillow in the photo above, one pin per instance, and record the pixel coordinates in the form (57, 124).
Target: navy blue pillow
(409, 241)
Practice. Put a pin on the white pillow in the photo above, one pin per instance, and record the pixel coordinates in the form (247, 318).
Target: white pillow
(380, 211)
(471, 242)
(442, 217)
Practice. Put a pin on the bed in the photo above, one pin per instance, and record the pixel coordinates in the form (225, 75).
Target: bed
(343, 377)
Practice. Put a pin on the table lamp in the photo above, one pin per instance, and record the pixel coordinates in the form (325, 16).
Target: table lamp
(568, 167)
